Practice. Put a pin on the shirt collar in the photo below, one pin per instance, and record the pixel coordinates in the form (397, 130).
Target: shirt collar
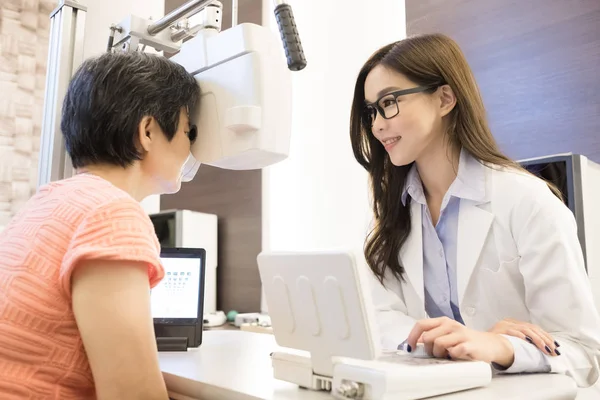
(413, 186)
(469, 183)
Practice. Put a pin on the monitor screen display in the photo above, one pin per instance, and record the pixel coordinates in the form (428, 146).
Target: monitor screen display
(177, 295)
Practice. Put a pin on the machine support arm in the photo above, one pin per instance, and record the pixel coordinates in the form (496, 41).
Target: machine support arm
(65, 54)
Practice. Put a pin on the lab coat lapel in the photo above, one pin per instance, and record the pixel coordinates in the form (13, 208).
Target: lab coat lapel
(473, 226)
(411, 257)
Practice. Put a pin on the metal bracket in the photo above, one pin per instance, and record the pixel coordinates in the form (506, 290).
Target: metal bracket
(185, 11)
(188, 21)
(133, 32)
(210, 17)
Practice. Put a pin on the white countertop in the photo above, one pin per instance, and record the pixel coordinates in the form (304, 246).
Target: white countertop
(232, 365)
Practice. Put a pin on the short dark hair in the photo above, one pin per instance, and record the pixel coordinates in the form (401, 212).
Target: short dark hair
(110, 94)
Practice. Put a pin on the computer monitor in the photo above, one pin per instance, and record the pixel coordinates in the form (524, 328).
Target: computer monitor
(177, 301)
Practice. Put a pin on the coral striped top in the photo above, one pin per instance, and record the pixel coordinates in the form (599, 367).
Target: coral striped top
(80, 218)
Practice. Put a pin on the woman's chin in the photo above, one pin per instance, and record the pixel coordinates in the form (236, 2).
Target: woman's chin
(170, 187)
(400, 160)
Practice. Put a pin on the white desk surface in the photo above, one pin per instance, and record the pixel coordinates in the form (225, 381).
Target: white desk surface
(232, 365)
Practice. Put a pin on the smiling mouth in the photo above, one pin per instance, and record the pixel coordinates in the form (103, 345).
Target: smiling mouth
(391, 141)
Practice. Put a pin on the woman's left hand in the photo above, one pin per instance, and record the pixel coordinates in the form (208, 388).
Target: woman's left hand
(443, 337)
(529, 332)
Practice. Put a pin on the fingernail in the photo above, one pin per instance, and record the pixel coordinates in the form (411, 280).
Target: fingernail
(557, 352)
(548, 350)
(449, 357)
(529, 339)
(556, 344)
(408, 348)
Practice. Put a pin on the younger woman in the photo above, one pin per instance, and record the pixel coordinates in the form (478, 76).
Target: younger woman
(476, 258)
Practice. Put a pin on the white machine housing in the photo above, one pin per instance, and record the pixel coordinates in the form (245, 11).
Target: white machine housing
(320, 304)
(192, 229)
(244, 119)
(317, 305)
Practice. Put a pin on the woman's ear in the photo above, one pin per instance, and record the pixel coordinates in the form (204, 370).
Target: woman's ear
(146, 133)
(447, 100)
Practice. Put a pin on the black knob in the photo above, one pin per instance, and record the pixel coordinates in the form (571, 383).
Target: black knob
(289, 35)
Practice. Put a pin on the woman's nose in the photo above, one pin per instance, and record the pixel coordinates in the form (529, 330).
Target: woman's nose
(379, 123)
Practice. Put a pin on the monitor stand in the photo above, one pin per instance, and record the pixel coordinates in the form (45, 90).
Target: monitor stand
(172, 343)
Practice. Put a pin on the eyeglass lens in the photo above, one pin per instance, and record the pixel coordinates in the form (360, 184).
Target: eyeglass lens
(387, 106)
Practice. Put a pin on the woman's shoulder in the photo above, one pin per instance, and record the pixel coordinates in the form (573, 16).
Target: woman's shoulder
(87, 191)
(84, 197)
(517, 183)
(516, 178)
(519, 192)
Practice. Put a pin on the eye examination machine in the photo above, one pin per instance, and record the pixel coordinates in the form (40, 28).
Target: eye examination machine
(244, 120)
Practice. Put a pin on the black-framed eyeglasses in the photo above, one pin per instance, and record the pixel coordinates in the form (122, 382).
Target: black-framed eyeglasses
(387, 105)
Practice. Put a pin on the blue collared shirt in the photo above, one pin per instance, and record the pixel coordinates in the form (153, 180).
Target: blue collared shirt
(440, 250)
(439, 241)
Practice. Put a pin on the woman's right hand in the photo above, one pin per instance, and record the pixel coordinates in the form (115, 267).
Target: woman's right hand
(529, 332)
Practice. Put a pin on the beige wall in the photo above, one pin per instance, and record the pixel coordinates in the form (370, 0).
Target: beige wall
(24, 30)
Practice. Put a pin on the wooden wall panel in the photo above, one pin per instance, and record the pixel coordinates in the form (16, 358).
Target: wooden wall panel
(235, 196)
(537, 63)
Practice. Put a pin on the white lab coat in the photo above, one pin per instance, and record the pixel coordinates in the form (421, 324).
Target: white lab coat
(518, 257)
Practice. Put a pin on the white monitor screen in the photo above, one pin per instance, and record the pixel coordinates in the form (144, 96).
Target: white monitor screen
(177, 295)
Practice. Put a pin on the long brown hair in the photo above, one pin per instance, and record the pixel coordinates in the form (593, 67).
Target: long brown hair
(427, 60)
